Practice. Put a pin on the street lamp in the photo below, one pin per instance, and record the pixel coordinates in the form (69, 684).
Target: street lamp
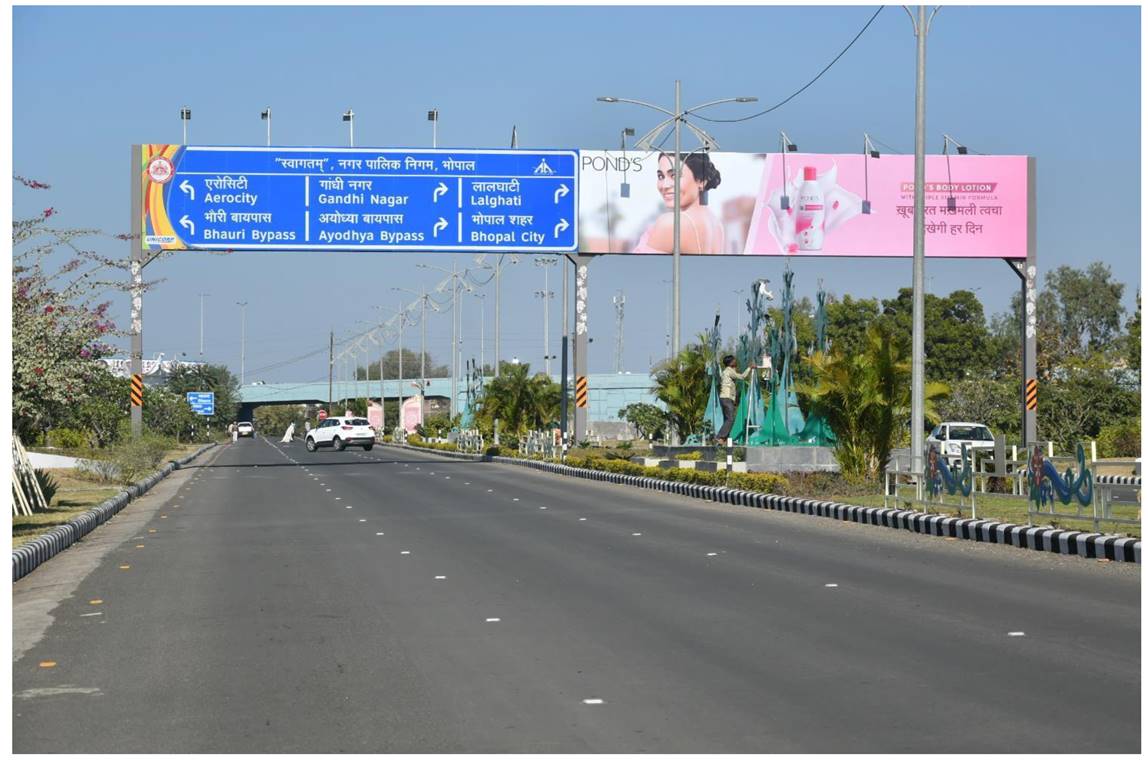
(432, 115)
(481, 332)
(266, 115)
(349, 118)
(457, 278)
(678, 117)
(625, 185)
(424, 298)
(242, 341)
(185, 117)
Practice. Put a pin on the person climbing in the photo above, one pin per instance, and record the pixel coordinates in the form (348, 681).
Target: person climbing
(727, 395)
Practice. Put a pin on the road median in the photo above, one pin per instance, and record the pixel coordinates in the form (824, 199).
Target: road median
(1039, 538)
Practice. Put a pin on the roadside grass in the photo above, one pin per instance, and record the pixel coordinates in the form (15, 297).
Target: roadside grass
(76, 495)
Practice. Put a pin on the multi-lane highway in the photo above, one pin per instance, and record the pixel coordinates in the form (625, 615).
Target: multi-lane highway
(271, 600)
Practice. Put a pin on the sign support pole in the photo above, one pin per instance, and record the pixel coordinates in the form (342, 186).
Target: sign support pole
(136, 243)
(581, 336)
(565, 349)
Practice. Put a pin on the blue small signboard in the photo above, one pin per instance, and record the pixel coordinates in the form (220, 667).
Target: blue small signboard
(270, 198)
(202, 403)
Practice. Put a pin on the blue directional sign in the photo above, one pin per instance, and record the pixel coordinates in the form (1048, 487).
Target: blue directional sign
(202, 403)
(268, 198)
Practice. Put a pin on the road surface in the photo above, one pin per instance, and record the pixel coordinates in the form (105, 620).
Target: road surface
(393, 601)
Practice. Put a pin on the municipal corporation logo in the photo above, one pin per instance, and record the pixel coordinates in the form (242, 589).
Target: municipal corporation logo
(160, 169)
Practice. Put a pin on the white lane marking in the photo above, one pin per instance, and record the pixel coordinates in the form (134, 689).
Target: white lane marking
(494, 619)
(35, 693)
(348, 506)
(581, 519)
(489, 490)
(405, 552)
(710, 555)
(379, 533)
(322, 484)
(440, 576)
(592, 701)
(516, 499)
(328, 489)
(362, 520)
(542, 507)
(831, 585)
(94, 613)
(337, 498)
(466, 483)
(636, 534)
(1016, 634)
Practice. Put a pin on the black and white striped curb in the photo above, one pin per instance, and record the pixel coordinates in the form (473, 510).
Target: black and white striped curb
(1119, 480)
(28, 556)
(1040, 538)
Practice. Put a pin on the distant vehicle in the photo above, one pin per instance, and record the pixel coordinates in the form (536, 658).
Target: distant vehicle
(950, 435)
(245, 429)
(341, 432)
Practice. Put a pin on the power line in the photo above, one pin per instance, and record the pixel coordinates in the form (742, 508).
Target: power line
(799, 92)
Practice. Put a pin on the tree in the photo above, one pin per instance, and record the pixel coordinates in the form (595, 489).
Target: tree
(847, 322)
(865, 398)
(168, 413)
(519, 401)
(956, 335)
(647, 419)
(57, 325)
(1084, 396)
(1132, 341)
(274, 419)
(105, 405)
(1088, 308)
(682, 385)
(412, 366)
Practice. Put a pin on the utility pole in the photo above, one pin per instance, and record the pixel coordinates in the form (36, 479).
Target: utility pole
(331, 374)
(545, 294)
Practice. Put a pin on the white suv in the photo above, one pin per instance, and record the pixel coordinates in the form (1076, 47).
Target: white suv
(341, 432)
(950, 435)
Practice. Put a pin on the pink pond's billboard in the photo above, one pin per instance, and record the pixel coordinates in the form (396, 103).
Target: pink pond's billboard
(807, 205)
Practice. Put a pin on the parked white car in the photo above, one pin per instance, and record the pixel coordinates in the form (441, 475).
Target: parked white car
(950, 435)
(341, 432)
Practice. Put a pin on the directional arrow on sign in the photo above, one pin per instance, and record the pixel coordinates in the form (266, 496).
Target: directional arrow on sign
(188, 189)
(440, 190)
(186, 223)
(561, 192)
(439, 226)
(562, 226)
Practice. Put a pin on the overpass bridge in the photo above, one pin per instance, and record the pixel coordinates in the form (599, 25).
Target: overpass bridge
(608, 394)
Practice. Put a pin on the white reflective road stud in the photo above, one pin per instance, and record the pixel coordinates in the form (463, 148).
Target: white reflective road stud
(494, 619)
(592, 701)
(543, 507)
(830, 585)
(405, 552)
(378, 533)
(581, 519)
(636, 534)
(1016, 634)
(440, 576)
(710, 555)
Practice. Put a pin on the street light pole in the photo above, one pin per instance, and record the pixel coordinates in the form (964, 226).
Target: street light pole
(917, 413)
(545, 264)
(242, 342)
(202, 295)
(266, 114)
(349, 118)
(677, 116)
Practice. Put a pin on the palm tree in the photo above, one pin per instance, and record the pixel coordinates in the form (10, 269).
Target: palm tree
(681, 383)
(866, 400)
(519, 401)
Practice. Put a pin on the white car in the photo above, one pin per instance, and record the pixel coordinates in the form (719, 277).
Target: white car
(245, 430)
(950, 435)
(341, 432)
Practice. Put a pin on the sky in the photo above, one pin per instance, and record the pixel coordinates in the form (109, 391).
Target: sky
(1059, 83)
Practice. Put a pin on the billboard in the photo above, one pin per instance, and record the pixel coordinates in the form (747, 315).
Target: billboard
(803, 205)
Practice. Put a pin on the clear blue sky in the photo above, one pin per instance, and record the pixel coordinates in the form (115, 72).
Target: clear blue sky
(1058, 83)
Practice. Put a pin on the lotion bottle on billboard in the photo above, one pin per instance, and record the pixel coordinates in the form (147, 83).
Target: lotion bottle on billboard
(810, 229)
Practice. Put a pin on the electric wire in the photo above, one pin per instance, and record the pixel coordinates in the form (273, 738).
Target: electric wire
(804, 87)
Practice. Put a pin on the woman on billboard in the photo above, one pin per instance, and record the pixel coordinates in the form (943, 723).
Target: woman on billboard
(701, 231)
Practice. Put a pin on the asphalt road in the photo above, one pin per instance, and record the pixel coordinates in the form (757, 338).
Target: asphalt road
(401, 602)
